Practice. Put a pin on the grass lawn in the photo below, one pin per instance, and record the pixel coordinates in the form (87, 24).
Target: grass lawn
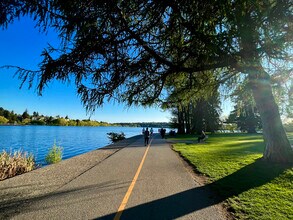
(252, 188)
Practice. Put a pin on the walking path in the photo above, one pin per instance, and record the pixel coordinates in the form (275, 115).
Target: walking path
(123, 181)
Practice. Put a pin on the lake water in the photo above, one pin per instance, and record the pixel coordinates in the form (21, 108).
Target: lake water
(74, 140)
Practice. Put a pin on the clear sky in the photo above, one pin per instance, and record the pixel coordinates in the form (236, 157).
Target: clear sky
(21, 45)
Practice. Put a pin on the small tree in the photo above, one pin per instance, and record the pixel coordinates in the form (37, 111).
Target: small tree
(54, 155)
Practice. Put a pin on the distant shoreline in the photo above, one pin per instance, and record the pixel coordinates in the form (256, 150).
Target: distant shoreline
(138, 125)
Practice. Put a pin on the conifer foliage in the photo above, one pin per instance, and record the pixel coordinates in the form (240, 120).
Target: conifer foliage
(128, 50)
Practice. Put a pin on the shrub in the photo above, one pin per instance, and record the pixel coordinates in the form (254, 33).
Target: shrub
(114, 137)
(15, 164)
(54, 155)
(3, 120)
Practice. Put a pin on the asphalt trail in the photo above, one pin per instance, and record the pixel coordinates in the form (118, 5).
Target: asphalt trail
(163, 189)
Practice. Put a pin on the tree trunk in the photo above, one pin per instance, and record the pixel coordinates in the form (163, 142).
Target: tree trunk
(199, 123)
(181, 129)
(187, 119)
(277, 145)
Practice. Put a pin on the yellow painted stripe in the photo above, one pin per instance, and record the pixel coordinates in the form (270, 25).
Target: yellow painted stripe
(129, 191)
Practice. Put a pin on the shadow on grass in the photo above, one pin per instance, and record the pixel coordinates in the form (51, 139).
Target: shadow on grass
(253, 175)
(186, 202)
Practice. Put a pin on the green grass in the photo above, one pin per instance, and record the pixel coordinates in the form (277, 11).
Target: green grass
(252, 188)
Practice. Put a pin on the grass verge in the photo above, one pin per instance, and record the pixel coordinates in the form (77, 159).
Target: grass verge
(252, 188)
(15, 164)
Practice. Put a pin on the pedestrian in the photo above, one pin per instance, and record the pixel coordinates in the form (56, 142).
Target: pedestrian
(201, 137)
(162, 132)
(146, 137)
(151, 131)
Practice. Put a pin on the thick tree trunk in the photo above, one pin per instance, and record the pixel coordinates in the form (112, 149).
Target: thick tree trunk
(181, 129)
(277, 145)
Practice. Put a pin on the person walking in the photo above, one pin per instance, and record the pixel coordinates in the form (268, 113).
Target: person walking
(201, 137)
(146, 137)
(163, 132)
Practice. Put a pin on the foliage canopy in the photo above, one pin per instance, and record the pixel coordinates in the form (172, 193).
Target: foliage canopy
(128, 50)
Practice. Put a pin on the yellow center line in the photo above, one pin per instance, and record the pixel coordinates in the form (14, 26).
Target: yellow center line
(129, 191)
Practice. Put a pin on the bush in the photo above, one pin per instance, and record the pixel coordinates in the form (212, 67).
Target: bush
(114, 137)
(54, 155)
(3, 120)
(15, 164)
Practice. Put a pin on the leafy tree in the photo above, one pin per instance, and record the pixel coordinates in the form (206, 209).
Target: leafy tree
(3, 120)
(245, 113)
(195, 108)
(12, 117)
(198, 115)
(128, 50)
(25, 115)
(49, 120)
(26, 121)
(72, 123)
(35, 114)
(59, 121)
(212, 113)
(37, 122)
(246, 118)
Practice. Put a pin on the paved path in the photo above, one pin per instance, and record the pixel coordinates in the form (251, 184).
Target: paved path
(164, 189)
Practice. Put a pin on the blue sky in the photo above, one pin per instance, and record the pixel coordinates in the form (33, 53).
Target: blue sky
(21, 45)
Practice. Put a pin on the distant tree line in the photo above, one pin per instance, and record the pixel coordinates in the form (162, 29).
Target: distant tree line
(11, 118)
(145, 124)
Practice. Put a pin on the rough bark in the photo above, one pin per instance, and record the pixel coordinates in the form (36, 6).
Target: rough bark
(277, 145)
(181, 129)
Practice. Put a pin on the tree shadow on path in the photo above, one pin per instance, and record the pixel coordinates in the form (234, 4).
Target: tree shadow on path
(183, 203)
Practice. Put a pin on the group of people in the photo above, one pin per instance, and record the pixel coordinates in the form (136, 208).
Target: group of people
(147, 134)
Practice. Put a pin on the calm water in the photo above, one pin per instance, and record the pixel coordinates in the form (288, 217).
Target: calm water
(74, 140)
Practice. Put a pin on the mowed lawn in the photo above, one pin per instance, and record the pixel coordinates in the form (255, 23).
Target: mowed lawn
(251, 188)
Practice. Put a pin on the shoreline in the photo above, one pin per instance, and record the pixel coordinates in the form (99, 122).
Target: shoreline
(45, 180)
